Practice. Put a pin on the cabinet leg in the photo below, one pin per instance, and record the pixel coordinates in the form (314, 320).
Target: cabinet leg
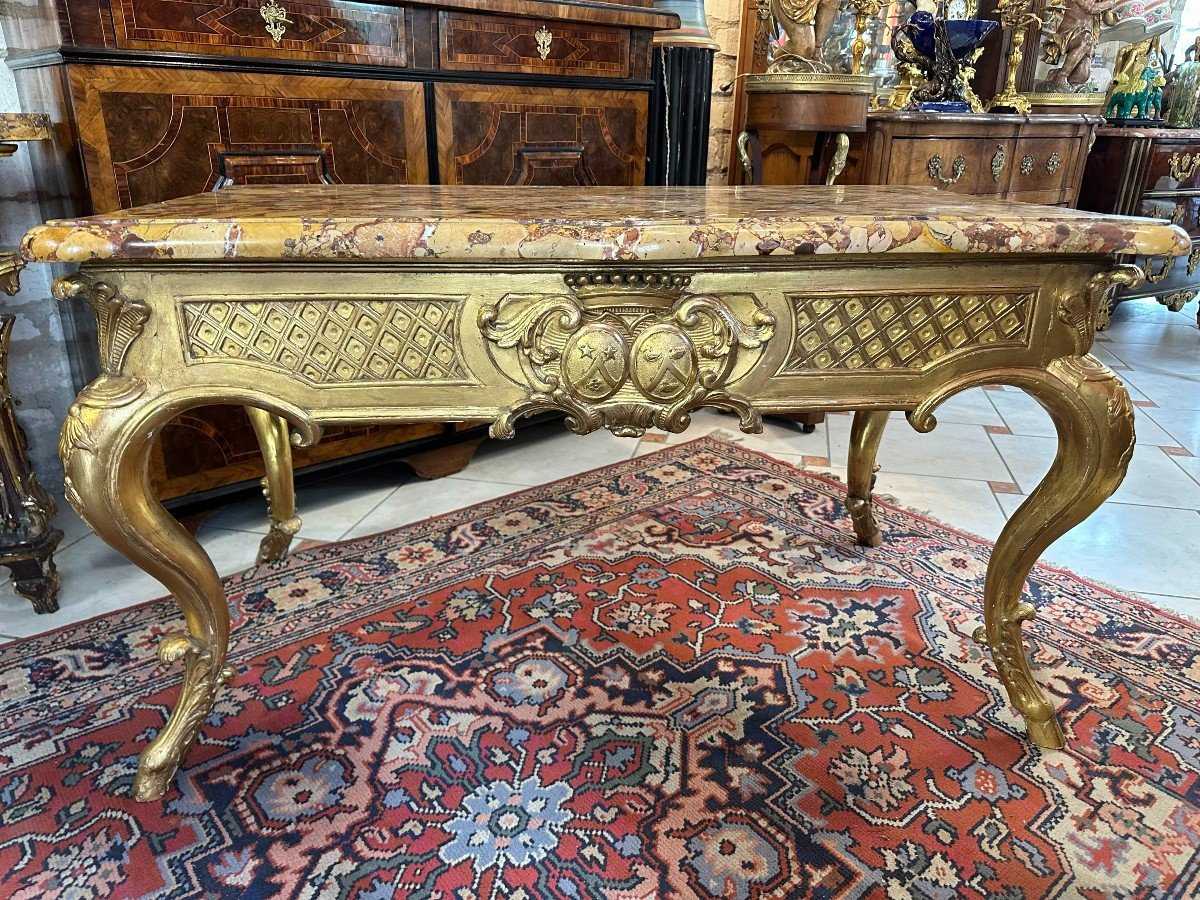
(841, 152)
(35, 577)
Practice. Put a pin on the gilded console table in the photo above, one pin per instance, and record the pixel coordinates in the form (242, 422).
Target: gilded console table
(624, 308)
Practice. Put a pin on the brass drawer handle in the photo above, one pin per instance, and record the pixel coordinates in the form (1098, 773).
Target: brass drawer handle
(957, 168)
(544, 38)
(1053, 163)
(1027, 165)
(276, 18)
(1155, 278)
(1184, 165)
(998, 159)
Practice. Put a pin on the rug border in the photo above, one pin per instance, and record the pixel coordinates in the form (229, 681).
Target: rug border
(830, 480)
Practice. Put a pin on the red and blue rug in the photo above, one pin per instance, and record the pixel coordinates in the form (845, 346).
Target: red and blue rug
(676, 677)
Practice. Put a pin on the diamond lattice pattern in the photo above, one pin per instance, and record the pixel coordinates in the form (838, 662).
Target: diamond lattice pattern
(333, 341)
(901, 332)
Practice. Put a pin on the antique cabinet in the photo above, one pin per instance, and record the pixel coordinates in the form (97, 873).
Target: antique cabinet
(1037, 159)
(1151, 172)
(155, 99)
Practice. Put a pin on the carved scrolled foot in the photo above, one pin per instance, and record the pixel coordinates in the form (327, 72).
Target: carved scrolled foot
(1008, 653)
(278, 484)
(1093, 415)
(275, 545)
(203, 677)
(865, 434)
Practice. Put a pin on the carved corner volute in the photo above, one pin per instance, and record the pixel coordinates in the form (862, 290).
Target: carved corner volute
(1088, 310)
(119, 320)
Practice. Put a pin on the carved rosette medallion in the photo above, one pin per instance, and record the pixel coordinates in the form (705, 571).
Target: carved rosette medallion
(624, 351)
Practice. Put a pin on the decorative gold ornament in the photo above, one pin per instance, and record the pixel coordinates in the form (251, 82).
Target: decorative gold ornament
(1016, 16)
(1177, 300)
(1184, 165)
(1054, 162)
(1193, 260)
(1164, 270)
(625, 351)
(1027, 165)
(863, 10)
(276, 18)
(543, 38)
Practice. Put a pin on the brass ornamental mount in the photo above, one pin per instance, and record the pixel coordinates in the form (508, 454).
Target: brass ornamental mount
(1027, 165)
(543, 38)
(1054, 162)
(998, 160)
(957, 169)
(1184, 165)
(1177, 300)
(1167, 265)
(850, 298)
(1193, 260)
(275, 17)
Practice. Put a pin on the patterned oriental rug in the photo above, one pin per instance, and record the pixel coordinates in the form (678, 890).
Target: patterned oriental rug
(675, 677)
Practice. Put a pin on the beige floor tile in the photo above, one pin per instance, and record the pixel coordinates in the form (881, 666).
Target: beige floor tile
(1132, 548)
(328, 508)
(1154, 478)
(951, 450)
(1024, 415)
(547, 453)
(419, 499)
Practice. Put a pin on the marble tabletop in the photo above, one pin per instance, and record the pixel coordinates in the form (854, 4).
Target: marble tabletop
(373, 222)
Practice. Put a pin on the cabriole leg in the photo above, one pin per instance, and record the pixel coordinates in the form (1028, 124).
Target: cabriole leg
(1094, 417)
(105, 449)
(278, 486)
(865, 434)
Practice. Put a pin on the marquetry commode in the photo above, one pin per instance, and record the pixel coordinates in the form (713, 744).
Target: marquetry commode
(624, 309)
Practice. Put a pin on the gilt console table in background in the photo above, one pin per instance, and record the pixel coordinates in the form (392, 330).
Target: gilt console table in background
(1151, 172)
(624, 308)
(155, 99)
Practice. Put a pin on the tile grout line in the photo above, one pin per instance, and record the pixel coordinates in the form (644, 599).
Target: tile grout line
(371, 511)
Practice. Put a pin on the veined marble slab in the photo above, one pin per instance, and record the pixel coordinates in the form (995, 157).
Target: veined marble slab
(620, 224)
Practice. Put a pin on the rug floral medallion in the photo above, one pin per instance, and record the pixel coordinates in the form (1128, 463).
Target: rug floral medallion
(676, 677)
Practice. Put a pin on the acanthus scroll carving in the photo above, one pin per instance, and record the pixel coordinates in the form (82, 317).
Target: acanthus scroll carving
(119, 320)
(624, 351)
(1086, 311)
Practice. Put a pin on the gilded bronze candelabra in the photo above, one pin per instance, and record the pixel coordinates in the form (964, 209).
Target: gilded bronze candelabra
(1016, 16)
(863, 10)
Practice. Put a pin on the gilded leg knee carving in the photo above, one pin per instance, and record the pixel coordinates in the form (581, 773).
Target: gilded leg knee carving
(1094, 418)
(105, 449)
(865, 435)
(278, 486)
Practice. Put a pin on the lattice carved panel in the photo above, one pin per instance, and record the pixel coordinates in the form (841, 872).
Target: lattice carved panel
(333, 341)
(910, 331)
